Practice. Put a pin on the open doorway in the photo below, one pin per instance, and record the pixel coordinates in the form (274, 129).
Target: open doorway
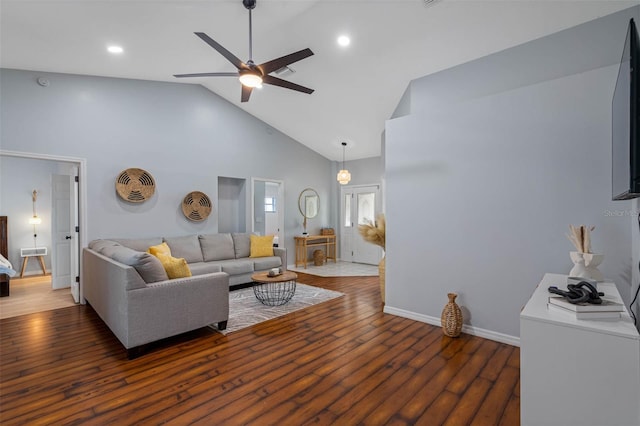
(267, 208)
(61, 212)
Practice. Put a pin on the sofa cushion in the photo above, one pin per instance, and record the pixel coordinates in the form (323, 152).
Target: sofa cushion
(241, 244)
(99, 245)
(148, 266)
(202, 268)
(217, 247)
(236, 267)
(139, 244)
(160, 249)
(264, 263)
(261, 246)
(176, 267)
(186, 247)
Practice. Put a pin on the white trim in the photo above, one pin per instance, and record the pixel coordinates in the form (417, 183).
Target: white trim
(475, 331)
(360, 185)
(82, 195)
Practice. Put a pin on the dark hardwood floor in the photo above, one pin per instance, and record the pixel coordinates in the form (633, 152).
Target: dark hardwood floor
(340, 362)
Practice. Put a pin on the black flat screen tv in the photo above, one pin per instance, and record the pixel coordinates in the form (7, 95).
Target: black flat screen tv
(625, 121)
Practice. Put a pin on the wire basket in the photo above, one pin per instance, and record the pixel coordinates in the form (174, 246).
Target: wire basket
(276, 293)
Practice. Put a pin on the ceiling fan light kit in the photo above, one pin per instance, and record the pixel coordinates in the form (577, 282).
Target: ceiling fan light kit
(249, 79)
(250, 74)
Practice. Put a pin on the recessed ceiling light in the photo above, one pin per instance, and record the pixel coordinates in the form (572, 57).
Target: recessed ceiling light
(344, 40)
(115, 49)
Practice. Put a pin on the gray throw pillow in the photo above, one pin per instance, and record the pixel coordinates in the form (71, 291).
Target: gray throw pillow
(139, 244)
(99, 245)
(217, 247)
(147, 265)
(186, 247)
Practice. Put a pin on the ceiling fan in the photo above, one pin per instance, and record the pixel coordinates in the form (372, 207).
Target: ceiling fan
(250, 74)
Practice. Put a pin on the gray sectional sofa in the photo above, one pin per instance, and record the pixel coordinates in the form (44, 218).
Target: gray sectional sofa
(131, 292)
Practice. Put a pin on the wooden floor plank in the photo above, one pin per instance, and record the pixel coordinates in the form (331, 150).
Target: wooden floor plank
(468, 404)
(492, 408)
(340, 362)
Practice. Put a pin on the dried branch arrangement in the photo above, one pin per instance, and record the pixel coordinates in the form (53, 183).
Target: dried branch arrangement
(374, 233)
(580, 236)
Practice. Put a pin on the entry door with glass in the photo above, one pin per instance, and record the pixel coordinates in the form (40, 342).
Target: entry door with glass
(360, 205)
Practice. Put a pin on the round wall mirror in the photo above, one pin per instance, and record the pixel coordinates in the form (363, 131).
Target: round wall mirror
(309, 203)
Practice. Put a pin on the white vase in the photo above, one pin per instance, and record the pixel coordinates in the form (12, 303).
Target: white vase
(586, 265)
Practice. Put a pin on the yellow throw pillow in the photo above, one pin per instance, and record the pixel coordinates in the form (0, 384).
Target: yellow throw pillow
(261, 246)
(160, 249)
(175, 267)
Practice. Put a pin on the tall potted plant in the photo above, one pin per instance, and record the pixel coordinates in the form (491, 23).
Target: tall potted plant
(375, 233)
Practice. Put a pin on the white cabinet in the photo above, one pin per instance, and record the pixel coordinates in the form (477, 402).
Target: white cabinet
(577, 372)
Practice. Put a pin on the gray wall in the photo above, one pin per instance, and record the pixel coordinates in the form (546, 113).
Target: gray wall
(182, 134)
(481, 190)
(365, 171)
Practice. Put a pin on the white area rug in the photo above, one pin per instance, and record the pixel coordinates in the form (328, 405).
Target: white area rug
(339, 269)
(245, 310)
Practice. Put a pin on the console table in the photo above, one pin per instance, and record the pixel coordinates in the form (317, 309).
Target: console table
(303, 243)
(577, 372)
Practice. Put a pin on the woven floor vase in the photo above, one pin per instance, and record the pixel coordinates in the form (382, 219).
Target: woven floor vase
(451, 318)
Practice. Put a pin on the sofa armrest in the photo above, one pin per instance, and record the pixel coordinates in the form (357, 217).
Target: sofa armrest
(105, 283)
(171, 307)
(282, 253)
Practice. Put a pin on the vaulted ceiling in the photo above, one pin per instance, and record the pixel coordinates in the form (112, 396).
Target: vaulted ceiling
(356, 87)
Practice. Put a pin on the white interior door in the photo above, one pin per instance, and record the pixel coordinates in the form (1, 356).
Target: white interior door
(360, 205)
(267, 206)
(65, 242)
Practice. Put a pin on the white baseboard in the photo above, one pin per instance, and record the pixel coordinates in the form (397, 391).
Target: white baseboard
(475, 331)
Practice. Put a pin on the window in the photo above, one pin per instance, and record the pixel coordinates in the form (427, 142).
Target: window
(366, 208)
(270, 204)
(347, 210)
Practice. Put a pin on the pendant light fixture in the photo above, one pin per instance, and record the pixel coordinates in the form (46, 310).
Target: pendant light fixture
(343, 175)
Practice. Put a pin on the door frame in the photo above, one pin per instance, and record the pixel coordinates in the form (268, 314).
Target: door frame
(344, 242)
(81, 163)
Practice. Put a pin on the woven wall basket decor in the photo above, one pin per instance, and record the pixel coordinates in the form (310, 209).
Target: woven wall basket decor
(135, 185)
(196, 206)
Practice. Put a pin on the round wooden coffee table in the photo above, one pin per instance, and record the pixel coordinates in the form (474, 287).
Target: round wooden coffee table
(274, 291)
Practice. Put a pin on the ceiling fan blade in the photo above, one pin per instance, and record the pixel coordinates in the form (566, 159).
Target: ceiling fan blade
(275, 81)
(283, 61)
(246, 92)
(224, 52)
(208, 74)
